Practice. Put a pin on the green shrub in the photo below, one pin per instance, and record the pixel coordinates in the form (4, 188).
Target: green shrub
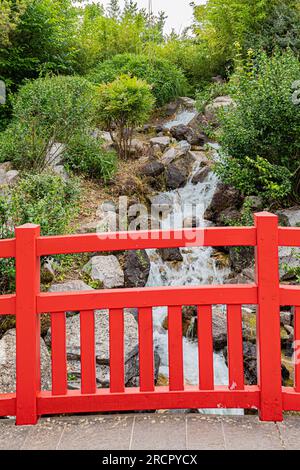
(265, 121)
(167, 81)
(122, 105)
(85, 155)
(45, 111)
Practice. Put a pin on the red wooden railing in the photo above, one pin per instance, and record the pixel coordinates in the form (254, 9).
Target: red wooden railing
(268, 396)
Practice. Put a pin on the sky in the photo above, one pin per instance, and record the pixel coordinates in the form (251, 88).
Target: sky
(179, 12)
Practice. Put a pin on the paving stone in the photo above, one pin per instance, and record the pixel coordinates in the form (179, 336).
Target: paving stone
(45, 435)
(204, 433)
(290, 432)
(159, 432)
(248, 433)
(97, 433)
(12, 437)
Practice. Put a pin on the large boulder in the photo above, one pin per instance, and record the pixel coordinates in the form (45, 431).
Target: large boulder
(102, 349)
(170, 254)
(241, 258)
(70, 286)
(201, 175)
(8, 364)
(224, 198)
(181, 132)
(152, 168)
(211, 110)
(163, 142)
(175, 178)
(136, 268)
(106, 270)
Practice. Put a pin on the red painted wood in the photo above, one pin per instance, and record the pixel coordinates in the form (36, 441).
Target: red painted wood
(7, 404)
(146, 352)
(116, 350)
(7, 305)
(8, 248)
(297, 348)
(289, 295)
(235, 347)
(175, 347)
(172, 296)
(88, 353)
(291, 399)
(205, 347)
(27, 324)
(289, 236)
(119, 241)
(268, 317)
(59, 354)
(191, 397)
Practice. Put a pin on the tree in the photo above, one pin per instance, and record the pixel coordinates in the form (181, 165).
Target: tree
(122, 105)
(113, 9)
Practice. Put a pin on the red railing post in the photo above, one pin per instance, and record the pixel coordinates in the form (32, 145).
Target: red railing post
(27, 324)
(268, 318)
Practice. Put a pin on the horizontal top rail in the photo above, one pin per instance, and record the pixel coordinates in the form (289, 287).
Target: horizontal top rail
(135, 240)
(289, 236)
(8, 248)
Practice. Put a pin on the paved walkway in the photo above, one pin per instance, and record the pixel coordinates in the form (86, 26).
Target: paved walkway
(151, 431)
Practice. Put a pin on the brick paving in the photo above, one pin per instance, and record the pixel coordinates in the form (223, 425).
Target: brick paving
(166, 431)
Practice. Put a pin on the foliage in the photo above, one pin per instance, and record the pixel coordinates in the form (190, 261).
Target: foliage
(208, 93)
(43, 199)
(167, 80)
(265, 121)
(85, 155)
(46, 111)
(122, 105)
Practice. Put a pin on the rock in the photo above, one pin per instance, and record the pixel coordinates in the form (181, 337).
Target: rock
(292, 215)
(241, 257)
(225, 197)
(152, 168)
(218, 79)
(219, 328)
(256, 202)
(6, 166)
(3, 178)
(47, 271)
(71, 286)
(155, 151)
(12, 177)
(201, 175)
(212, 109)
(170, 108)
(170, 155)
(106, 138)
(289, 261)
(182, 132)
(286, 318)
(107, 270)
(229, 216)
(163, 199)
(174, 177)
(137, 148)
(60, 171)
(170, 254)
(54, 155)
(184, 146)
(163, 142)
(191, 222)
(177, 152)
(8, 364)
(136, 268)
(201, 157)
(187, 103)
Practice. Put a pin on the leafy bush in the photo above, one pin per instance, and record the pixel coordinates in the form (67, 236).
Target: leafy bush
(45, 111)
(166, 79)
(255, 176)
(265, 121)
(85, 155)
(122, 105)
(43, 199)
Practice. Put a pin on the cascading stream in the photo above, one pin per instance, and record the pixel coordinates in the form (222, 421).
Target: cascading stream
(197, 268)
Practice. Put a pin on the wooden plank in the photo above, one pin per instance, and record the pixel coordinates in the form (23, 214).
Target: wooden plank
(205, 348)
(175, 347)
(88, 353)
(268, 317)
(59, 354)
(7, 304)
(289, 295)
(133, 399)
(289, 236)
(146, 353)
(157, 296)
(116, 350)
(235, 347)
(8, 248)
(139, 240)
(297, 348)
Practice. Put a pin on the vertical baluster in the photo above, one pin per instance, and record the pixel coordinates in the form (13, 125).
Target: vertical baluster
(297, 348)
(235, 347)
(205, 345)
(59, 354)
(176, 378)
(87, 350)
(146, 353)
(116, 350)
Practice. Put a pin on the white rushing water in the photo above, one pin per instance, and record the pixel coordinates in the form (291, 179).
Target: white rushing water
(197, 268)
